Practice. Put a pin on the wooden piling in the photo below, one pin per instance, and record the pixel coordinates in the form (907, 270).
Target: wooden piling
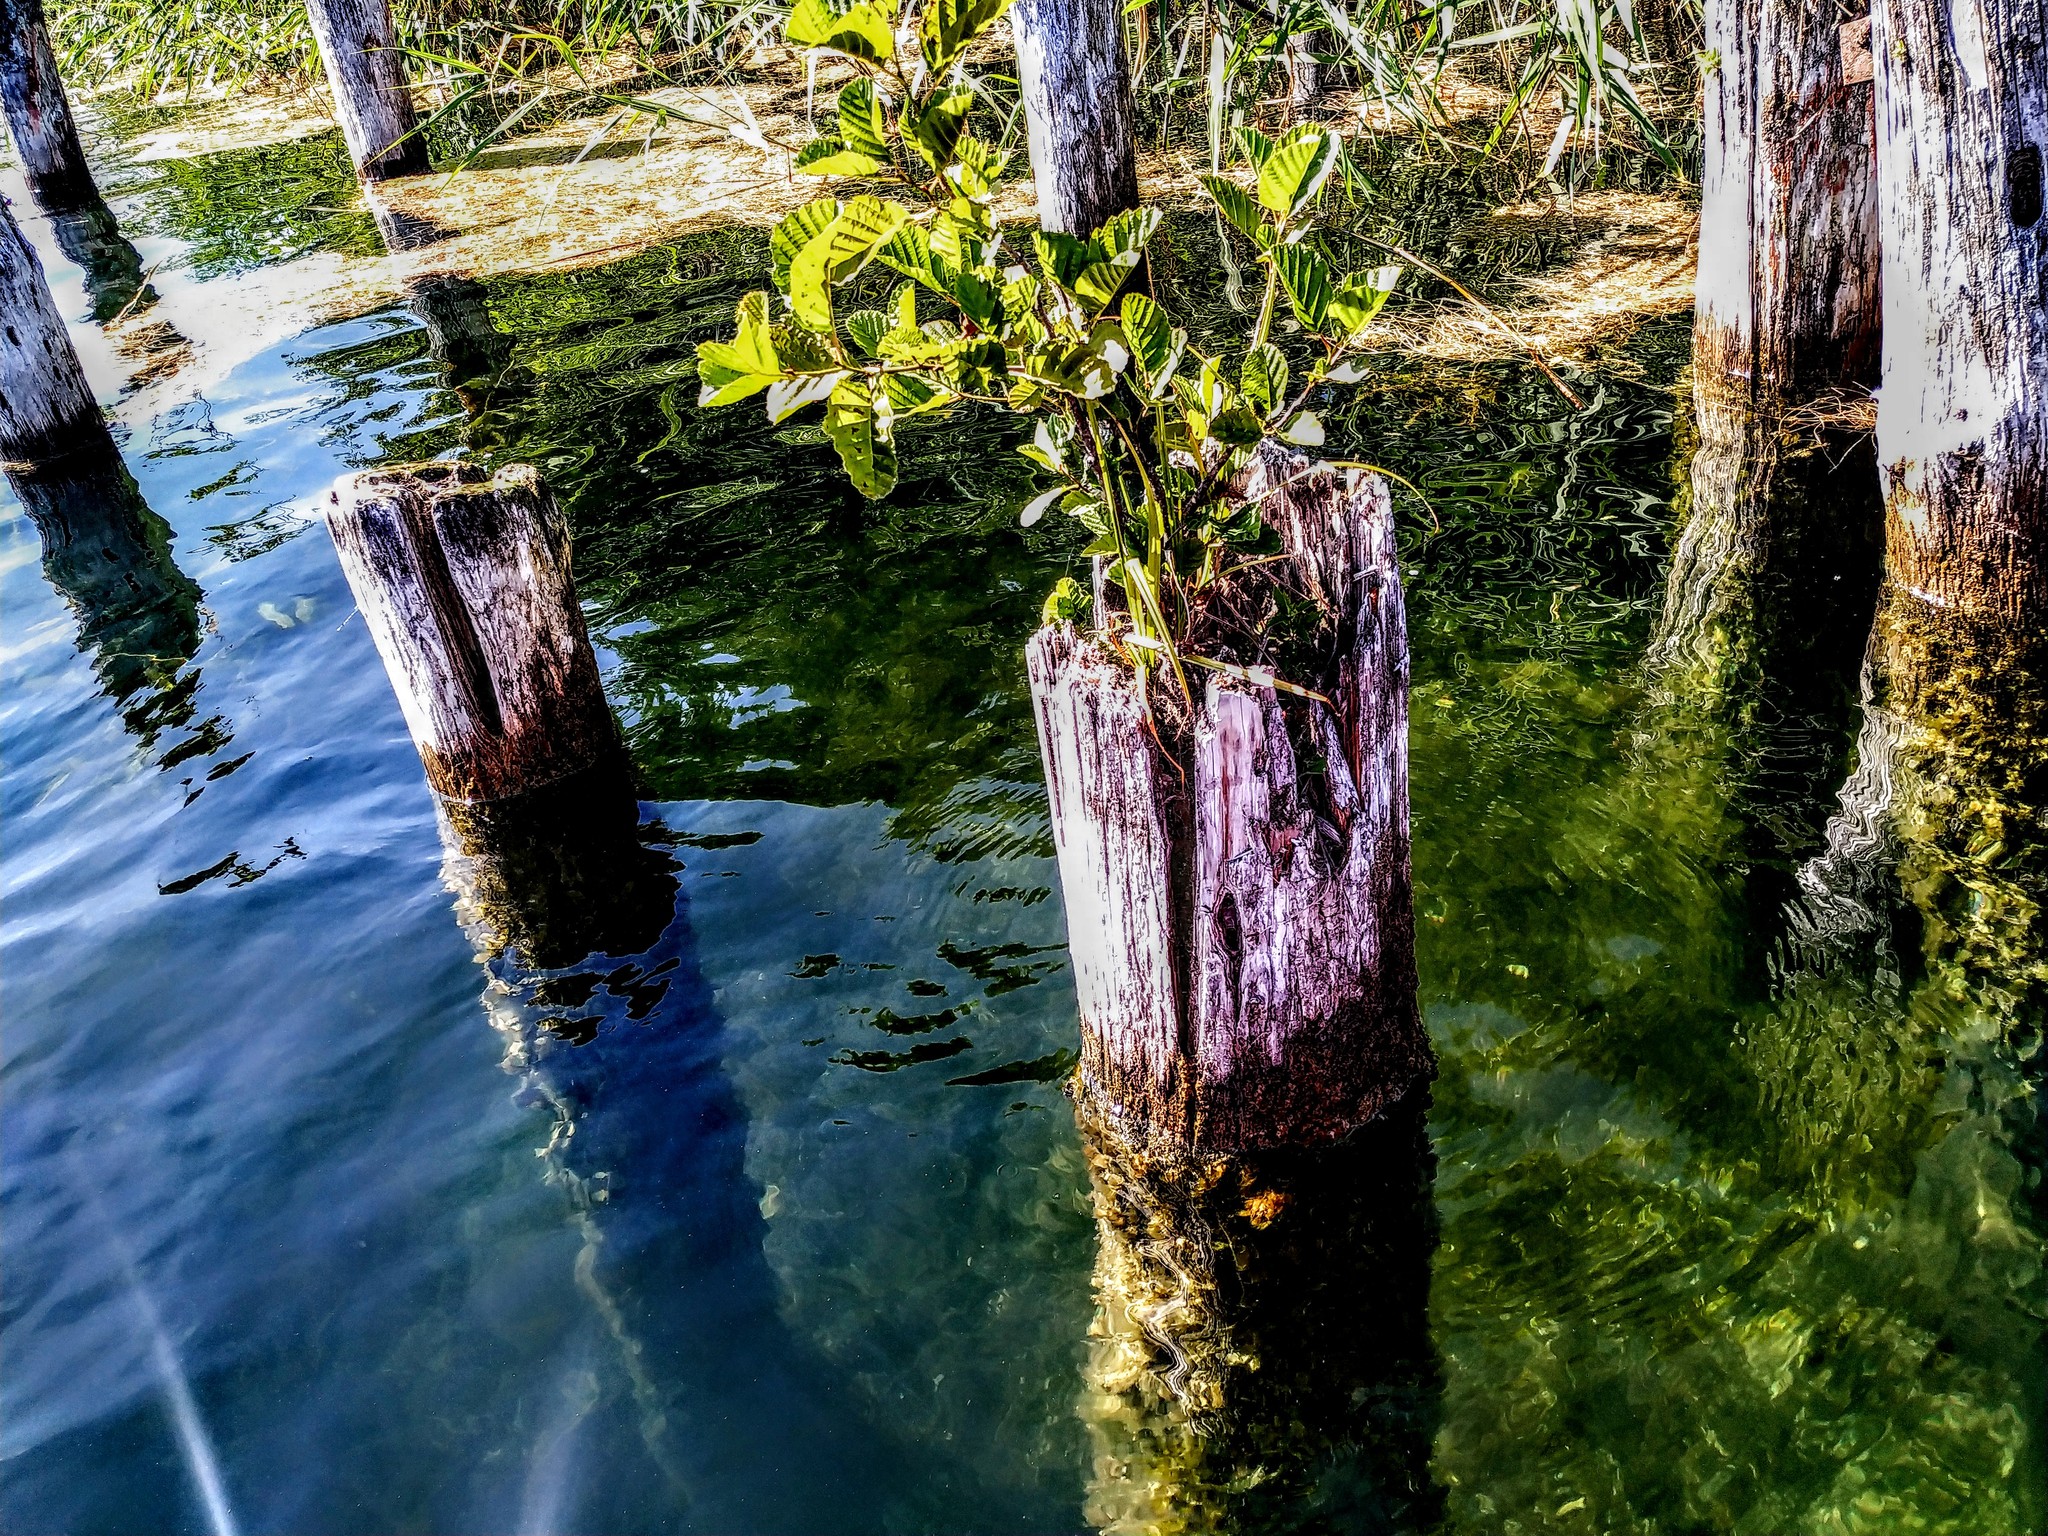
(1081, 127)
(372, 96)
(46, 405)
(1240, 918)
(39, 114)
(464, 583)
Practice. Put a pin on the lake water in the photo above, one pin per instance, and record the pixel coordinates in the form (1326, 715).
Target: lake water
(769, 1213)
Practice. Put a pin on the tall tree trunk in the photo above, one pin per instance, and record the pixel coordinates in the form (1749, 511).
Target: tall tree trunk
(1238, 900)
(1077, 110)
(39, 114)
(372, 97)
(46, 405)
(1962, 421)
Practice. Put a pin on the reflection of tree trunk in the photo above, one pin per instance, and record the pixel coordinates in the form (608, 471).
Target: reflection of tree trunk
(112, 267)
(1261, 1358)
(470, 352)
(109, 557)
(39, 114)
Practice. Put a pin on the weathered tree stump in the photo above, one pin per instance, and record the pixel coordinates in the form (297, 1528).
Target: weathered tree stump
(1962, 420)
(1788, 289)
(46, 405)
(1241, 924)
(464, 583)
(1078, 115)
(372, 96)
(39, 113)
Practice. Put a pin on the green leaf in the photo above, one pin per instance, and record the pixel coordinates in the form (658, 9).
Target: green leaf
(862, 127)
(867, 327)
(1128, 232)
(732, 370)
(937, 128)
(1307, 282)
(1359, 299)
(1304, 429)
(1097, 284)
(1252, 145)
(829, 157)
(1238, 206)
(860, 32)
(909, 251)
(1061, 257)
(1296, 170)
(1264, 378)
(949, 26)
(1146, 329)
(903, 307)
(788, 396)
(1067, 603)
(835, 253)
(979, 294)
(911, 396)
(796, 231)
(860, 428)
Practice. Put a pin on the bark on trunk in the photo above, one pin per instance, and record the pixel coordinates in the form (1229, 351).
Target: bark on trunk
(1245, 963)
(1077, 110)
(464, 584)
(1788, 273)
(372, 97)
(39, 114)
(1962, 422)
(46, 405)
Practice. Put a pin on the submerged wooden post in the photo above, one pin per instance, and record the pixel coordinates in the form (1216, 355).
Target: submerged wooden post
(1241, 919)
(1080, 123)
(46, 405)
(464, 584)
(372, 96)
(39, 113)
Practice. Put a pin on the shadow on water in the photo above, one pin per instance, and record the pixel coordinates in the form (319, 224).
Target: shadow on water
(92, 241)
(609, 1025)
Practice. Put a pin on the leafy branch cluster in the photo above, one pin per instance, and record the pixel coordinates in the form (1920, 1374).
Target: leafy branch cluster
(1141, 432)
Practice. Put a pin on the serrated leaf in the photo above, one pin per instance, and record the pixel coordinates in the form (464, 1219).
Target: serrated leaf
(1359, 299)
(948, 27)
(1061, 257)
(862, 127)
(860, 32)
(795, 232)
(909, 251)
(980, 297)
(835, 253)
(1238, 206)
(912, 396)
(936, 130)
(787, 396)
(1264, 378)
(1296, 169)
(1097, 283)
(1253, 146)
(1307, 281)
(867, 327)
(829, 157)
(1146, 329)
(862, 434)
(1236, 426)
(1128, 232)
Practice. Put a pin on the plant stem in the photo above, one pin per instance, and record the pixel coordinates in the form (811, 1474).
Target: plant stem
(1266, 307)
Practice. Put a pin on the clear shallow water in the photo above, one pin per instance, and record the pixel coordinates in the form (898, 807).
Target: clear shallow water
(1709, 1247)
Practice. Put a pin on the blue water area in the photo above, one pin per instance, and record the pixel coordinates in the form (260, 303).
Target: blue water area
(758, 1205)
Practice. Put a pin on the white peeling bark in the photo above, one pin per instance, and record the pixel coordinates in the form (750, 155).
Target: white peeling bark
(1788, 266)
(464, 585)
(46, 405)
(1962, 421)
(372, 96)
(39, 114)
(1078, 115)
(1245, 963)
